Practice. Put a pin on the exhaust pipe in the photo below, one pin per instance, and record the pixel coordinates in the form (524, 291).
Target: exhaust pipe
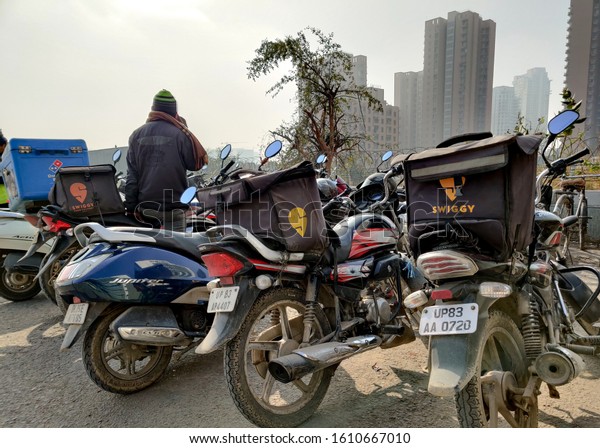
(318, 357)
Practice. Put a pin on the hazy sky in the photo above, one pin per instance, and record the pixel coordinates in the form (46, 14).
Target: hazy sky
(89, 69)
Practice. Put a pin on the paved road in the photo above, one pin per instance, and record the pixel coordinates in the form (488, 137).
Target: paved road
(42, 387)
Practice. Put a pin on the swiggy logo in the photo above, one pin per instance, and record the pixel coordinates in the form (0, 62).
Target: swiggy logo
(79, 191)
(453, 188)
(298, 220)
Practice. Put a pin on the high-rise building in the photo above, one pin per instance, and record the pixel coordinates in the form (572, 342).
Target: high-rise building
(505, 110)
(408, 88)
(532, 91)
(457, 76)
(380, 127)
(359, 64)
(582, 72)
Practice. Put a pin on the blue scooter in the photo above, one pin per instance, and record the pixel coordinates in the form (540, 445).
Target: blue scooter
(136, 295)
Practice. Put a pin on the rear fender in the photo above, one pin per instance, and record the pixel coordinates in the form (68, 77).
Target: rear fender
(74, 332)
(62, 243)
(226, 325)
(453, 358)
(40, 239)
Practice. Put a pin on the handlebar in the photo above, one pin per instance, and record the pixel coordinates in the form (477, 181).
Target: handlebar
(577, 156)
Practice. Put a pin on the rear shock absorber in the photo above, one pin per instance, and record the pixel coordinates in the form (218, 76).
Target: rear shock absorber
(531, 330)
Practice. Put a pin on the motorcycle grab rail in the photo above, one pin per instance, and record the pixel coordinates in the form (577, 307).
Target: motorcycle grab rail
(269, 254)
(112, 235)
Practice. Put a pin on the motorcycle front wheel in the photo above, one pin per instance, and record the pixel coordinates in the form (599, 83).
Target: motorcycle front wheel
(502, 351)
(273, 328)
(121, 367)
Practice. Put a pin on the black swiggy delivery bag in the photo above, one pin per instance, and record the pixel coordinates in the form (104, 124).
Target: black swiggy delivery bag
(479, 194)
(86, 191)
(283, 206)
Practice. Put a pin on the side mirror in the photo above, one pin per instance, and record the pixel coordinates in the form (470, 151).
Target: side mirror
(273, 149)
(188, 195)
(387, 156)
(562, 121)
(225, 152)
(321, 159)
(557, 125)
(116, 156)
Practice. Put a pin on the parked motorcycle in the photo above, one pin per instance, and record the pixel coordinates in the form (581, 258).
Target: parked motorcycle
(500, 312)
(291, 301)
(137, 296)
(17, 278)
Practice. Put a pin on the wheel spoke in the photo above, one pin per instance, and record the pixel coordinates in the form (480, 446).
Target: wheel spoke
(114, 353)
(304, 388)
(267, 387)
(491, 355)
(267, 346)
(286, 330)
(509, 418)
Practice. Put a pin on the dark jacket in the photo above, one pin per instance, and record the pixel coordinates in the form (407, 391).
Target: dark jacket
(158, 158)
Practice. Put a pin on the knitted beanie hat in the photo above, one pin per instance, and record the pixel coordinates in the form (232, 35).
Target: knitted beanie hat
(165, 102)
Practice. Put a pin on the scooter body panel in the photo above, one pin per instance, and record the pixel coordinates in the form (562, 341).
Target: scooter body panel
(133, 274)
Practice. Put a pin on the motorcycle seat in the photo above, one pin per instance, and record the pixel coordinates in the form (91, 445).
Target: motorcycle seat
(180, 242)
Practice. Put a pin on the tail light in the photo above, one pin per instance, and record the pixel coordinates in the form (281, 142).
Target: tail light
(446, 264)
(55, 226)
(220, 264)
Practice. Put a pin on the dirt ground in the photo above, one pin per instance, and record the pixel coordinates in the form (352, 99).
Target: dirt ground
(45, 388)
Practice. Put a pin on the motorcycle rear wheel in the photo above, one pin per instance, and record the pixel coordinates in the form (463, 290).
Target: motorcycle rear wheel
(18, 287)
(121, 367)
(49, 276)
(502, 350)
(260, 398)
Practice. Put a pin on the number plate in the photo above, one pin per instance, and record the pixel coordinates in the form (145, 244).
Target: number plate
(76, 313)
(449, 319)
(223, 300)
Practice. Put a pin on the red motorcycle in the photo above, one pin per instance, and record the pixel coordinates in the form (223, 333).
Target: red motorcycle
(292, 298)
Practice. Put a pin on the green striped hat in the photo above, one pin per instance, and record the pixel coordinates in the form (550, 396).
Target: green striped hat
(164, 101)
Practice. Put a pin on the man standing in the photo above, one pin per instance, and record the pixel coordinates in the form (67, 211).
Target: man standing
(160, 153)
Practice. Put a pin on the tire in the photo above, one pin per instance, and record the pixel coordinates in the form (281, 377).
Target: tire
(583, 224)
(246, 370)
(502, 349)
(564, 255)
(18, 287)
(49, 276)
(132, 368)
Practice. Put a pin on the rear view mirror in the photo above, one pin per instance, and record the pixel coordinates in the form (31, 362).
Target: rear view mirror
(273, 149)
(225, 152)
(387, 156)
(116, 156)
(562, 121)
(188, 195)
(321, 159)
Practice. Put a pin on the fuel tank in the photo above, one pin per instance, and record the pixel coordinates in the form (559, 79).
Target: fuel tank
(130, 274)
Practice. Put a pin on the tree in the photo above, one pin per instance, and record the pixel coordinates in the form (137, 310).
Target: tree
(326, 88)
